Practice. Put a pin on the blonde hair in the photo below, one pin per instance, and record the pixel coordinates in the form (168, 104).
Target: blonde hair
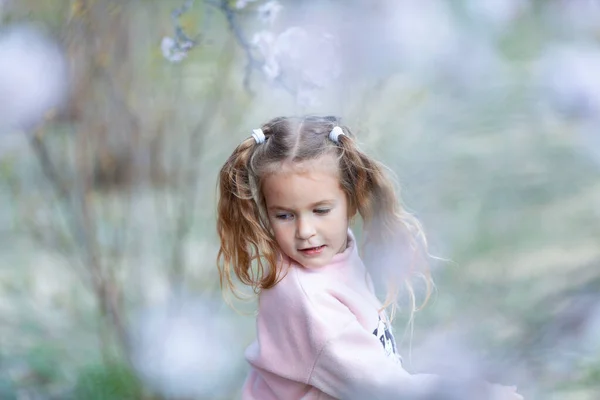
(248, 248)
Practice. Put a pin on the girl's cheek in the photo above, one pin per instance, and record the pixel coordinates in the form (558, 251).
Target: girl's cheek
(281, 228)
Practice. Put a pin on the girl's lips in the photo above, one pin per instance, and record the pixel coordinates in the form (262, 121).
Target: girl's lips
(311, 251)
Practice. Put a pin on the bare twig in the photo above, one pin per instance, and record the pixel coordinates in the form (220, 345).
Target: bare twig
(81, 230)
(251, 61)
(187, 205)
(77, 204)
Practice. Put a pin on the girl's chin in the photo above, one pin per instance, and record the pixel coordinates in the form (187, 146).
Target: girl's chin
(313, 263)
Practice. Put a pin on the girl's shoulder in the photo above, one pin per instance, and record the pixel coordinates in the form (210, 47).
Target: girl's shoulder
(299, 285)
(328, 293)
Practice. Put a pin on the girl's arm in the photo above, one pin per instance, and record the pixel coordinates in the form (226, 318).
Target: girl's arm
(308, 335)
(352, 365)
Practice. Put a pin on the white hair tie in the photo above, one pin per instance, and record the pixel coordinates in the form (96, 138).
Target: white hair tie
(258, 136)
(335, 134)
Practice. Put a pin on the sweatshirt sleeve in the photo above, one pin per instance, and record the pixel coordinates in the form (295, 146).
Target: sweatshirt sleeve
(352, 365)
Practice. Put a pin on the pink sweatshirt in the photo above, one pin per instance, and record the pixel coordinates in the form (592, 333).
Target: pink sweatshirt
(320, 336)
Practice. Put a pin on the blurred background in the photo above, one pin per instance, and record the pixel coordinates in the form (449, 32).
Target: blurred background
(115, 117)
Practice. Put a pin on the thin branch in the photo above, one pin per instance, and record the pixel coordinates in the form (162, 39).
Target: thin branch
(183, 43)
(251, 62)
(81, 232)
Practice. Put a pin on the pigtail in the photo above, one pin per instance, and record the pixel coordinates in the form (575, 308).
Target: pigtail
(394, 242)
(247, 248)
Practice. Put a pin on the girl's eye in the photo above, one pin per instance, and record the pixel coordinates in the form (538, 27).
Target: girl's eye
(284, 216)
(322, 211)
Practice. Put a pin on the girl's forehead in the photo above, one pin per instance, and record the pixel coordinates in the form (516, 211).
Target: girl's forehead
(300, 185)
(325, 163)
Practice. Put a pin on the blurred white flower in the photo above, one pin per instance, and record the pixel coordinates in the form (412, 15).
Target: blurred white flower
(302, 61)
(309, 58)
(271, 69)
(307, 98)
(267, 13)
(239, 4)
(446, 353)
(263, 43)
(569, 76)
(186, 349)
(423, 33)
(33, 77)
(171, 51)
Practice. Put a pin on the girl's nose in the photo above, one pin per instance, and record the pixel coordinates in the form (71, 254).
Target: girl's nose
(305, 229)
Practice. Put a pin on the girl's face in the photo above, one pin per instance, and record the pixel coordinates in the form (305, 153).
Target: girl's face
(307, 210)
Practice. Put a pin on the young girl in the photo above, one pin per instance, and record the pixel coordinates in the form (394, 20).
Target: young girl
(287, 197)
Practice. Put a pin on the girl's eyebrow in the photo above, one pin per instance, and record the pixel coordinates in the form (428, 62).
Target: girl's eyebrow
(318, 203)
(322, 203)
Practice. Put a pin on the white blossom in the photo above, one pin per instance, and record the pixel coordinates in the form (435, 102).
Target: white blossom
(185, 349)
(267, 13)
(569, 75)
(303, 61)
(263, 41)
(171, 51)
(33, 77)
(307, 97)
(308, 58)
(422, 34)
